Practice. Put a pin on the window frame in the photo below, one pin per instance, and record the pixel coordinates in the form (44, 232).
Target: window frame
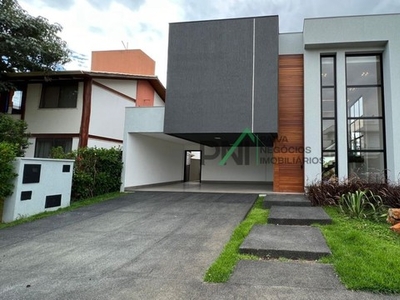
(334, 118)
(380, 86)
(60, 85)
(53, 141)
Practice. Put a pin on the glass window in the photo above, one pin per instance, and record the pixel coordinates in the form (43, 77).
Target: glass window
(17, 100)
(363, 70)
(367, 165)
(365, 122)
(63, 95)
(328, 135)
(44, 145)
(328, 116)
(328, 102)
(327, 71)
(364, 102)
(328, 165)
(366, 134)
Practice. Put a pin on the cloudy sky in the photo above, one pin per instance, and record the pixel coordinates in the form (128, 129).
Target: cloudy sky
(143, 24)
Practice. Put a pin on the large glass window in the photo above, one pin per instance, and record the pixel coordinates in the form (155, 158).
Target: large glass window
(366, 139)
(328, 107)
(58, 95)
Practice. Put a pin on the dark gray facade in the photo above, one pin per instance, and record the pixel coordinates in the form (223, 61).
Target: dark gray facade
(222, 78)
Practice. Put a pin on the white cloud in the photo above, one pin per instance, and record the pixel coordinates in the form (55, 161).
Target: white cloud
(143, 24)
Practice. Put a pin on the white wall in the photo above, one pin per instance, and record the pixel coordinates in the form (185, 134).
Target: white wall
(107, 113)
(51, 120)
(256, 170)
(144, 119)
(149, 160)
(291, 43)
(102, 143)
(52, 181)
(157, 100)
(127, 87)
(339, 36)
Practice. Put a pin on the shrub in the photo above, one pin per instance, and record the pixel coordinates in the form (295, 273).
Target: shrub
(97, 171)
(14, 132)
(323, 193)
(362, 205)
(7, 156)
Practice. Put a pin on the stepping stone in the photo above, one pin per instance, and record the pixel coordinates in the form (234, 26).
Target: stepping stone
(285, 200)
(291, 215)
(288, 274)
(293, 242)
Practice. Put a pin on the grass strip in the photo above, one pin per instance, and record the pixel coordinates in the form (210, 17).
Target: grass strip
(365, 254)
(223, 266)
(74, 205)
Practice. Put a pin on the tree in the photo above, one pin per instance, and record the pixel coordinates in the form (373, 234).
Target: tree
(28, 43)
(13, 132)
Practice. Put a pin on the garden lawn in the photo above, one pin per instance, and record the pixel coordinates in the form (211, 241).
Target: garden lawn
(365, 254)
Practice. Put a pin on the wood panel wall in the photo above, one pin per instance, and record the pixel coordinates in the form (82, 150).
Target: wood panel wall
(289, 147)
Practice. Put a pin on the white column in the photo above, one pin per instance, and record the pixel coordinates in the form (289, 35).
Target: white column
(341, 115)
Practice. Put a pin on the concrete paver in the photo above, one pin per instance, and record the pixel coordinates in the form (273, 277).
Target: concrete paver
(293, 242)
(291, 215)
(285, 200)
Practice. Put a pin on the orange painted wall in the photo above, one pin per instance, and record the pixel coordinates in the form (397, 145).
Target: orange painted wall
(144, 93)
(123, 61)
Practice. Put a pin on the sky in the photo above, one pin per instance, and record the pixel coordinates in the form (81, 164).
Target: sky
(90, 25)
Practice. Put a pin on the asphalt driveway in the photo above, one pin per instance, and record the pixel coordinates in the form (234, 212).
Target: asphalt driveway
(144, 245)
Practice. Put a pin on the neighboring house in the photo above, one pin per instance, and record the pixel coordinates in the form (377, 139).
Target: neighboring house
(75, 109)
(319, 103)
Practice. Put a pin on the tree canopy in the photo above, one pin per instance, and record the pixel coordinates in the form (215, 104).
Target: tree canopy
(28, 43)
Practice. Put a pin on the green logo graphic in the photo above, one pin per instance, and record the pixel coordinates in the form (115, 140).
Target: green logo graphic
(245, 132)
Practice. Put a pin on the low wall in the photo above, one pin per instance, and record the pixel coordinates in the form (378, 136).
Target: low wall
(41, 185)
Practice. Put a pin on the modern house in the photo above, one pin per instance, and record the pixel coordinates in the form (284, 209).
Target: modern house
(284, 109)
(75, 109)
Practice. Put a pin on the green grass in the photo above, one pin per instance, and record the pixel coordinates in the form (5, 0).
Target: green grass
(74, 205)
(222, 268)
(365, 254)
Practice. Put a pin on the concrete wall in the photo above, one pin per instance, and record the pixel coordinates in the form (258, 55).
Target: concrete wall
(127, 87)
(157, 100)
(222, 76)
(132, 61)
(291, 43)
(108, 109)
(51, 120)
(30, 198)
(248, 166)
(341, 36)
(150, 160)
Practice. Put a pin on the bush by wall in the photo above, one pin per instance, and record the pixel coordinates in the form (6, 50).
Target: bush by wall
(7, 156)
(13, 131)
(97, 171)
(323, 193)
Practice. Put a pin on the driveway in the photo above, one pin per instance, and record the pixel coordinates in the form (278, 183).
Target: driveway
(144, 245)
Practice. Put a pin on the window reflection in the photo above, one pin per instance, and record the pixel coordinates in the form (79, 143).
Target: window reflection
(363, 70)
(366, 146)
